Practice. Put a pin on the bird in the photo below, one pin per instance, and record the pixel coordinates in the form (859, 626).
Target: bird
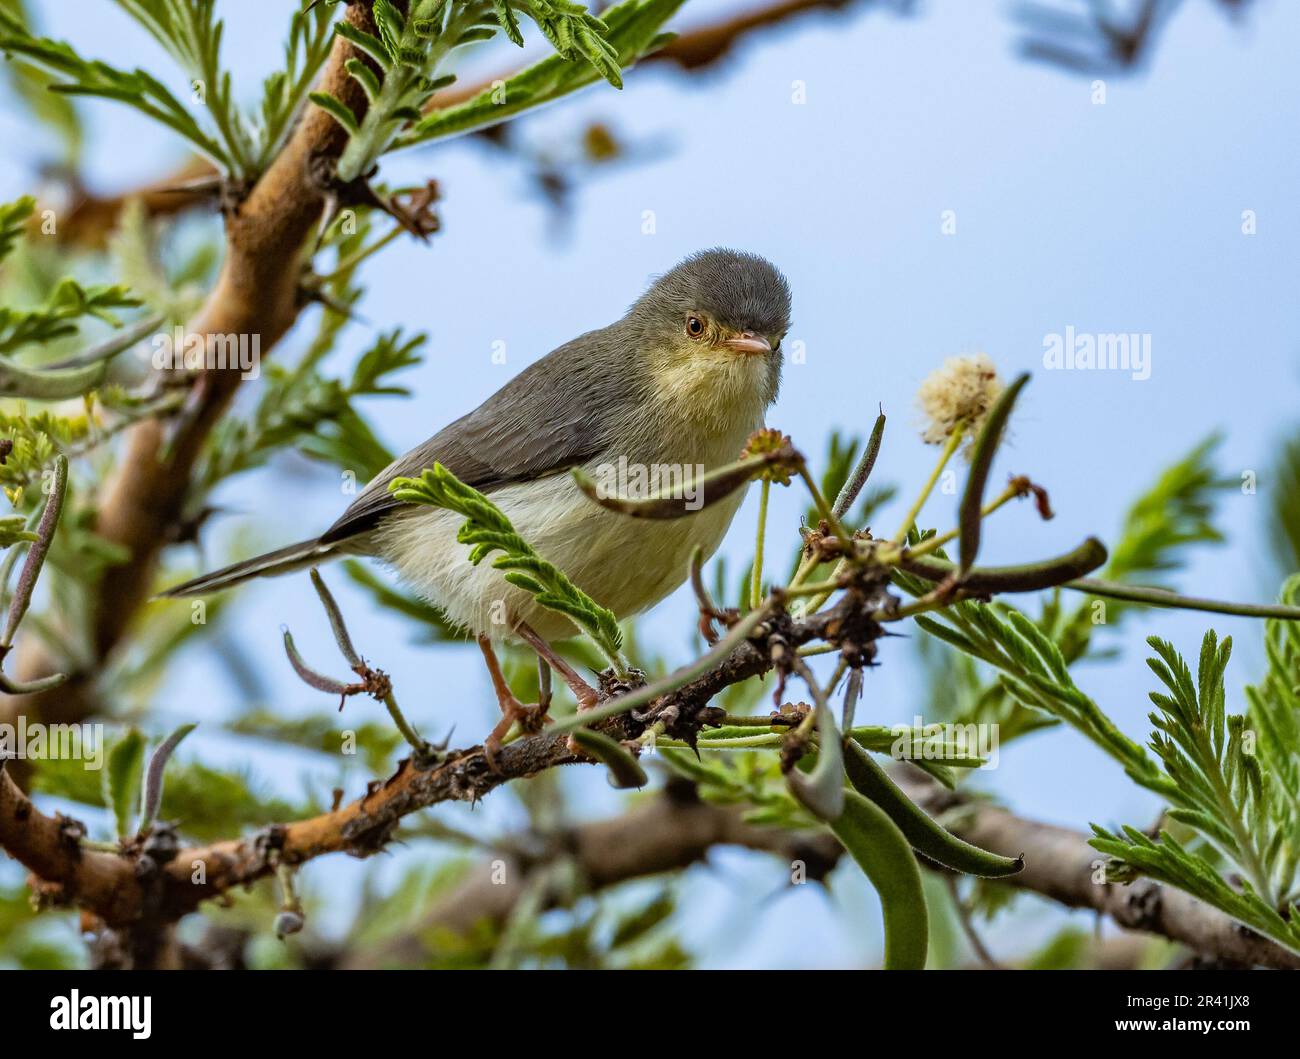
(681, 380)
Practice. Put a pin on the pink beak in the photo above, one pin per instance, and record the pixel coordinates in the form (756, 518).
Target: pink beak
(748, 343)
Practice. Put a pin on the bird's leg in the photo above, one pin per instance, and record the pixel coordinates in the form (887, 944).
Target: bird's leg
(586, 695)
(530, 718)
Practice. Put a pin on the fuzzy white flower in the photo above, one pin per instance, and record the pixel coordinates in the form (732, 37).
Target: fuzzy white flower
(963, 390)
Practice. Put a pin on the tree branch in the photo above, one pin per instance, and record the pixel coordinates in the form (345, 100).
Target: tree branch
(123, 894)
(671, 831)
(675, 831)
(257, 293)
(1059, 863)
(701, 47)
(89, 219)
(1061, 866)
(50, 847)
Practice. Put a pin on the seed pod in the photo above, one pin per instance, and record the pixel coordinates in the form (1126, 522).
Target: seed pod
(876, 843)
(922, 831)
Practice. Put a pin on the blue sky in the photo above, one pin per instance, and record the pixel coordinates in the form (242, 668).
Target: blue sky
(1120, 217)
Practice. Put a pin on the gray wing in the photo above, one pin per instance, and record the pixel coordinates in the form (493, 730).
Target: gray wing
(546, 419)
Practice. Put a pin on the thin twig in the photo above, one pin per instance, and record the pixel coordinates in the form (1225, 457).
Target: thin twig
(1160, 597)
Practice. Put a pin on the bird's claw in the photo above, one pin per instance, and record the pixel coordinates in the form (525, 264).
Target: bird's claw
(531, 719)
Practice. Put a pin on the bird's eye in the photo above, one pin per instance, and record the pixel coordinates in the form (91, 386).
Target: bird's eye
(694, 326)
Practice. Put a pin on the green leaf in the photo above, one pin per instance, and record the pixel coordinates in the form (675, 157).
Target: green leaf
(13, 222)
(50, 110)
(285, 89)
(365, 77)
(366, 42)
(624, 770)
(192, 37)
(302, 408)
(633, 26)
(506, 16)
(1170, 516)
(123, 773)
(1173, 514)
(13, 530)
(337, 109)
(1165, 860)
(821, 791)
(1284, 500)
(390, 23)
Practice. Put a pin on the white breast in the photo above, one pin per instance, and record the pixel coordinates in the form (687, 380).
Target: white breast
(626, 564)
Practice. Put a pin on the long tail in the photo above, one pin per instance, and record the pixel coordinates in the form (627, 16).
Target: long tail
(272, 564)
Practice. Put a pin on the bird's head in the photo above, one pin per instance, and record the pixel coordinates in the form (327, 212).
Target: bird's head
(716, 321)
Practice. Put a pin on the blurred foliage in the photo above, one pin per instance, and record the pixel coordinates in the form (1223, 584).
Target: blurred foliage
(1283, 527)
(30, 85)
(302, 409)
(373, 742)
(47, 943)
(206, 803)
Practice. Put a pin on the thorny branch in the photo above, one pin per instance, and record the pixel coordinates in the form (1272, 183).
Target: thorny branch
(672, 832)
(141, 891)
(108, 885)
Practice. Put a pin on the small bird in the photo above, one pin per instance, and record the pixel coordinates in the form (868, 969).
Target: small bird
(681, 381)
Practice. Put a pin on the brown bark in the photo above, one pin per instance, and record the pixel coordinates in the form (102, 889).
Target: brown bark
(50, 848)
(89, 219)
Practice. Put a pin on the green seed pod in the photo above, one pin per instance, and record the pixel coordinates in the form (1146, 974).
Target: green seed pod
(50, 384)
(922, 831)
(624, 769)
(882, 852)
